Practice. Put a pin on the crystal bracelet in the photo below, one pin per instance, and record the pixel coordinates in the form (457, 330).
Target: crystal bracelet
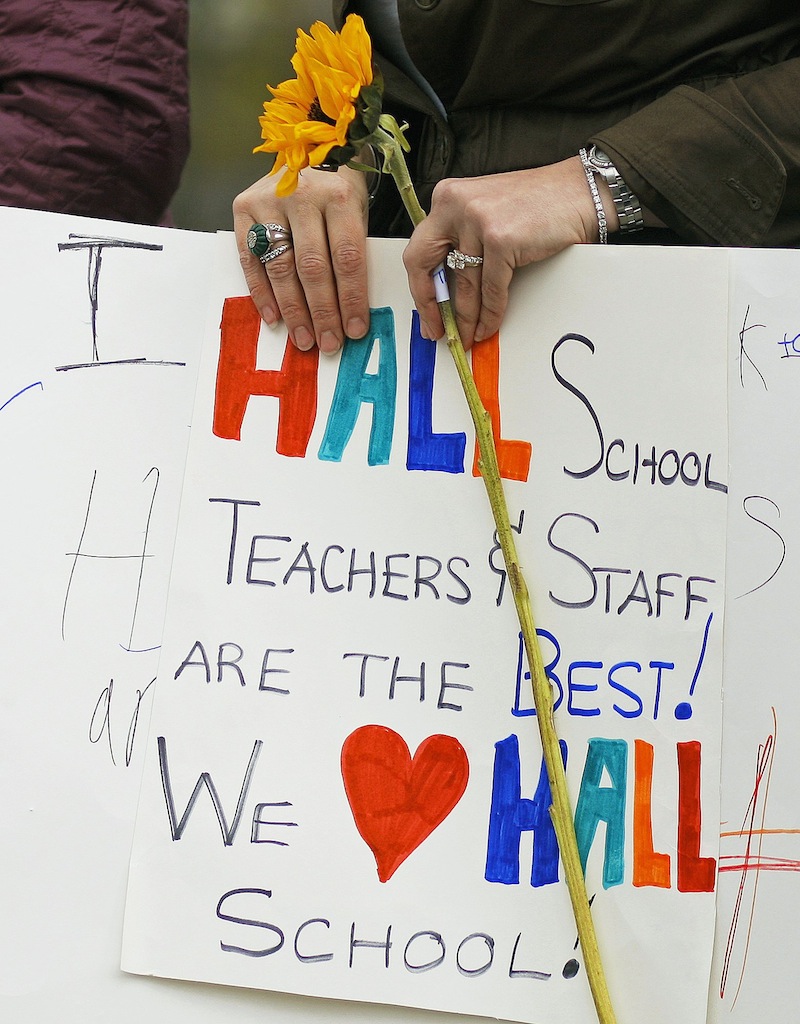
(598, 203)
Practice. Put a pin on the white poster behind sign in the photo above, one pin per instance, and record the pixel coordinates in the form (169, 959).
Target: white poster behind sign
(758, 901)
(101, 328)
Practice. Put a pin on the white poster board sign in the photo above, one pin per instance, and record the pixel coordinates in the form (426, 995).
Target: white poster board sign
(101, 326)
(340, 609)
(101, 330)
(93, 414)
(758, 897)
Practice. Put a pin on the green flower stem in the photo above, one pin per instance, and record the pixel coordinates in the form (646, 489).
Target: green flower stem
(560, 811)
(395, 164)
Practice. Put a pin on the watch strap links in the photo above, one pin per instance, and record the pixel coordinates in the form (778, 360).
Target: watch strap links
(627, 206)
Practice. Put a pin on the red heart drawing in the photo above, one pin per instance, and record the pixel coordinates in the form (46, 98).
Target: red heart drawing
(398, 801)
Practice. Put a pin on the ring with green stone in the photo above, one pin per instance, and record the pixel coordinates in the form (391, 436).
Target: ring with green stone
(268, 241)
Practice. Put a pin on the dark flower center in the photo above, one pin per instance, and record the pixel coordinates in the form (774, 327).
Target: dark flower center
(316, 113)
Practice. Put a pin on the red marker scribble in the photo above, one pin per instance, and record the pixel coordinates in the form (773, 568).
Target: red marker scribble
(752, 861)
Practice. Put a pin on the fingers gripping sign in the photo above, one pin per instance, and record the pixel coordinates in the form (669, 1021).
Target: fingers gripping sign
(307, 265)
(509, 220)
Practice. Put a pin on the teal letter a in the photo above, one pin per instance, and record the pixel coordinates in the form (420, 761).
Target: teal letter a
(598, 803)
(355, 386)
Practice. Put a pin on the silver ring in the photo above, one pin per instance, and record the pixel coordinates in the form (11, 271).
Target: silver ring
(268, 241)
(457, 260)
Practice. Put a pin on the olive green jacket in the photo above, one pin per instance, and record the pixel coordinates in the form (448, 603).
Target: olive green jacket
(696, 101)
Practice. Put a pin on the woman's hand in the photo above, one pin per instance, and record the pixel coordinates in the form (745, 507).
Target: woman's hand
(510, 220)
(319, 287)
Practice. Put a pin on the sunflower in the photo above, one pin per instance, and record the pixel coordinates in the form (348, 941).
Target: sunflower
(324, 115)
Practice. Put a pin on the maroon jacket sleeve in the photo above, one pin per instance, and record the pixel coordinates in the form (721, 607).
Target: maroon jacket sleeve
(93, 106)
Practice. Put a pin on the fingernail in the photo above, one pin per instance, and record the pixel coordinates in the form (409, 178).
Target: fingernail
(329, 342)
(480, 333)
(268, 315)
(303, 338)
(425, 331)
(356, 328)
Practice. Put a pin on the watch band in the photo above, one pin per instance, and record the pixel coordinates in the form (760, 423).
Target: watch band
(627, 206)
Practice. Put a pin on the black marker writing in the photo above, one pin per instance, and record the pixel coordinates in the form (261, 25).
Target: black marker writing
(744, 355)
(100, 724)
(635, 462)
(80, 554)
(617, 588)
(95, 245)
(178, 826)
(747, 504)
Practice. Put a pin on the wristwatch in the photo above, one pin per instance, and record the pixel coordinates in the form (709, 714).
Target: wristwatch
(627, 206)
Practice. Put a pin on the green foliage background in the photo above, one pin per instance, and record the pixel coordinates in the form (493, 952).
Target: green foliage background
(236, 47)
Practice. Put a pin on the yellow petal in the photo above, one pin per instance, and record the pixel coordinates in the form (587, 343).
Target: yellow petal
(335, 89)
(357, 44)
(279, 112)
(295, 90)
(314, 133)
(309, 47)
(299, 63)
(349, 51)
(319, 154)
(287, 184)
(343, 123)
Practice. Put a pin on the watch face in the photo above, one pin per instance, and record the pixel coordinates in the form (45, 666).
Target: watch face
(600, 158)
